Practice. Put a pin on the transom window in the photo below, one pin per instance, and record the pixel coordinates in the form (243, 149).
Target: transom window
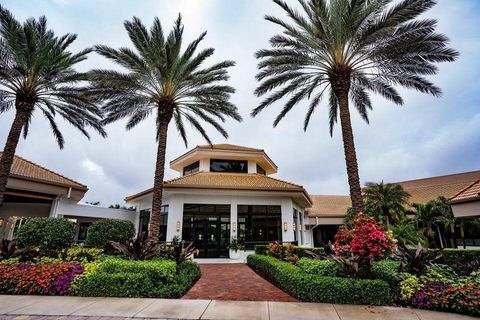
(192, 168)
(221, 165)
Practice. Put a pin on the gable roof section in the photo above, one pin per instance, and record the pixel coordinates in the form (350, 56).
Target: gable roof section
(28, 170)
(424, 190)
(329, 205)
(470, 193)
(229, 181)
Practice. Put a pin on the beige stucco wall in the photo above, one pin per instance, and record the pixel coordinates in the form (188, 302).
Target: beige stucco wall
(466, 209)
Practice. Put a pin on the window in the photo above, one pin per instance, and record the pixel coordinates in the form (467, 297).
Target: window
(260, 170)
(192, 168)
(259, 224)
(220, 165)
(82, 231)
(145, 220)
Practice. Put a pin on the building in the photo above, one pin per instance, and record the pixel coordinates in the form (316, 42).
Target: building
(35, 191)
(225, 191)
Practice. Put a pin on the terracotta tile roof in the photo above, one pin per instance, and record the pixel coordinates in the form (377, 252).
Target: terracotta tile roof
(329, 205)
(470, 193)
(235, 181)
(226, 146)
(424, 190)
(25, 169)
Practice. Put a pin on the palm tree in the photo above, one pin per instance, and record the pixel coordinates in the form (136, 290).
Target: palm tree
(36, 74)
(430, 216)
(344, 49)
(162, 81)
(387, 201)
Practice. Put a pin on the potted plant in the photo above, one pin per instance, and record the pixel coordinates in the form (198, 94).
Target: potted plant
(235, 246)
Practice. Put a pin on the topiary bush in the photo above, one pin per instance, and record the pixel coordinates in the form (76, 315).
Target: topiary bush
(102, 232)
(49, 234)
(318, 267)
(314, 288)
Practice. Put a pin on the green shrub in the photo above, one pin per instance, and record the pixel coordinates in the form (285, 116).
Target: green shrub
(455, 258)
(387, 270)
(82, 254)
(49, 234)
(103, 284)
(157, 270)
(116, 277)
(299, 251)
(318, 267)
(103, 231)
(314, 288)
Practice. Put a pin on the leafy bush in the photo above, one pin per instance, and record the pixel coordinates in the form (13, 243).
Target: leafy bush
(387, 270)
(314, 288)
(318, 267)
(102, 232)
(182, 253)
(82, 255)
(126, 278)
(281, 252)
(417, 262)
(44, 279)
(48, 234)
(137, 249)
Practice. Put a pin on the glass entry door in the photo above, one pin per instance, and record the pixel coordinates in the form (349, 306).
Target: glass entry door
(208, 226)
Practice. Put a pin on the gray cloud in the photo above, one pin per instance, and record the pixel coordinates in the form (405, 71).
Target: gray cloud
(427, 136)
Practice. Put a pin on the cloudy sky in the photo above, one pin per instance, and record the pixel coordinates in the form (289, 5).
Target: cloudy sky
(427, 136)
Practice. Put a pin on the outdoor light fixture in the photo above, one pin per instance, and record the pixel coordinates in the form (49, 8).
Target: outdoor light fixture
(178, 226)
(285, 226)
(234, 227)
(1, 222)
(294, 226)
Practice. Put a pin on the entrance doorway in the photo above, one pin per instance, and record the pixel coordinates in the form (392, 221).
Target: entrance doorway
(208, 227)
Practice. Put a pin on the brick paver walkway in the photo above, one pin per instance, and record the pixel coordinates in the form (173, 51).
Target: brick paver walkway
(234, 282)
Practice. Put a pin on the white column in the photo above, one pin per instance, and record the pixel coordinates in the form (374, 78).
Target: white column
(233, 217)
(287, 217)
(252, 167)
(204, 165)
(54, 208)
(137, 218)
(175, 214)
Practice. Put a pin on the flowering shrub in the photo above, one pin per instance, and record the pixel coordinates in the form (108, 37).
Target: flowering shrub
(367, 240)
(43, 279)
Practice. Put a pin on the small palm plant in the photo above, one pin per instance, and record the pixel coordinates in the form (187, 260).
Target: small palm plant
(36, 74)
(162, 81)
(341, 50)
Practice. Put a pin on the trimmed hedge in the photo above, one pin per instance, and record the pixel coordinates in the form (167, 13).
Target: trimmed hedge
(127, 278)
(299, 251)
(387, 270)
(314, 288)
(48, 234)
(101, 232)
(327, 268)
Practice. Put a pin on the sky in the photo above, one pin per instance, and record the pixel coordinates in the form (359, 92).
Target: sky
(427, 136)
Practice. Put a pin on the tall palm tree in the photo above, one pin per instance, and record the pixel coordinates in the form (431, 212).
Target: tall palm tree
(344, 49)
(36, 74)
(163, 82)
(387, 201)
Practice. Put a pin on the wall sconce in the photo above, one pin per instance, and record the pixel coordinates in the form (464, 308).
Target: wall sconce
(285, 226)
(1, 222)
(294, 226)
(234, 227)
(178, 226)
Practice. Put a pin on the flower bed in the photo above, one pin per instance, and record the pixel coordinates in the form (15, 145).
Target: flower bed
(44, 279)
(315, 288)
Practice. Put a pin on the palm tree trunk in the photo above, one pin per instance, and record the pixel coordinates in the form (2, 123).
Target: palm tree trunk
(8, 154)
(349, 145)
(154, 225)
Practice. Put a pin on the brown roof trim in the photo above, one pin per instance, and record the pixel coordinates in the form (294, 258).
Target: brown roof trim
(435, 177)
(74, 184)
